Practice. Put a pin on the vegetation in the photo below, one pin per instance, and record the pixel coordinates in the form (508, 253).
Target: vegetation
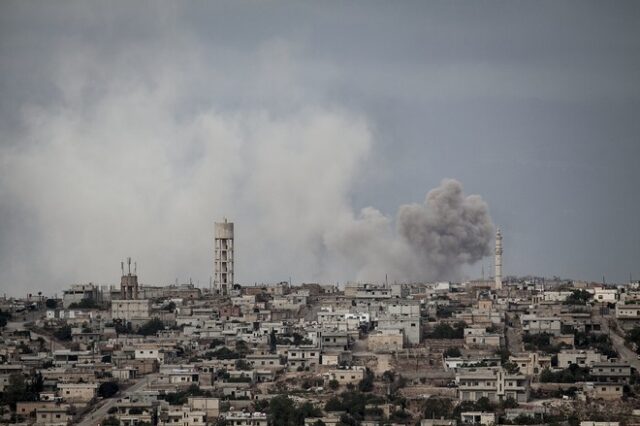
(151, 327)
(435, 408)
(4, 318)
(19, 389)
(452, 353)
(216, 342)
(633, 337)
(283, 411)
(111, 421)
(445, 331)
(600, 342)
(222, 353)
(63, 333)
(243, 365)
(353, 403)
(108, 389)
(51, 303)
(181, 397)
(571, 374)
(540, 342)
(366, 384)
(578, 297)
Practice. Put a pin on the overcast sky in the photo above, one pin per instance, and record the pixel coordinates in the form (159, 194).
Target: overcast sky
(128, 128)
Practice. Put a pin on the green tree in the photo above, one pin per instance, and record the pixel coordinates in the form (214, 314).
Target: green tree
(151, 327)
(51, 303)
(435, 408)
(108, 389)
(63, 333)
(366, 384)
(452, 352)
(111, 421)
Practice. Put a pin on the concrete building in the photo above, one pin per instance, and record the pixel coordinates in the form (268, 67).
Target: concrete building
(130, 310)
(237, 418)
(534, 324)
(223, 257)
(492, 383)
(531, 363)
(77, 392)
(385, 340)
(610, 372)
(345, 376)
(79, 293)
(582, 358)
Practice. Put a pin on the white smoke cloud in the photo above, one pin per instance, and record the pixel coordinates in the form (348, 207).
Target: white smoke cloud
(140, 160)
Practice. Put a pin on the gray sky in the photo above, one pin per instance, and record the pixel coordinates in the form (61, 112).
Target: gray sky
(127, 128)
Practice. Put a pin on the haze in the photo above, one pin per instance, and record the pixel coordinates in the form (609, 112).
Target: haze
(128, 128)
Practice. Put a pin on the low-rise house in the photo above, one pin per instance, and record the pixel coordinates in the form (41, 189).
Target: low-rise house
(58, 415)
(77, 392)
(267, 360)
(237, 418)
(478, 418)
(345, 376)
(492, 383)
(534, 324)
(606, 391)
(302, 357)
(131, 411)
(181, 416)
(610, 372)
(531, 363)
(478, 338)
(210, 406)
(582, 358)
(385, 340)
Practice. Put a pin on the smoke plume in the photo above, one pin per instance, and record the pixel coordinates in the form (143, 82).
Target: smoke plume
(433, 240)
(108, 160)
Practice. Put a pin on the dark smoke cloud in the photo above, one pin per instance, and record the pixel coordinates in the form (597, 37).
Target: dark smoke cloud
(433, 240)
(447, 231)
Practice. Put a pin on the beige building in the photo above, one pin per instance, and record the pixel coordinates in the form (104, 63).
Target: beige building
(237, 418)
(585, 358)
(385, 341)
(606, 391)
(345, 376)
(492, 383)
(531, 363)
(77, 392)
(53, 416)
(131, 310)
(210, 406)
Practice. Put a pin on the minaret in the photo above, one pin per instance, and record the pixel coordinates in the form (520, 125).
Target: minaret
(223, 257)
(498, 285)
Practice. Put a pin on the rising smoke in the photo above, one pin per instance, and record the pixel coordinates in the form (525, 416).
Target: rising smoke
(433, 240)
(140, 161)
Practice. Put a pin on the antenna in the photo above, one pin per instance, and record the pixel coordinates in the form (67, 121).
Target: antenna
(129, 264)
(122, 267)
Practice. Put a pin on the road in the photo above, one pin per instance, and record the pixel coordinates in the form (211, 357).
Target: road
(95, 416)
(514, 335)
(625, 354)
(30, 317)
